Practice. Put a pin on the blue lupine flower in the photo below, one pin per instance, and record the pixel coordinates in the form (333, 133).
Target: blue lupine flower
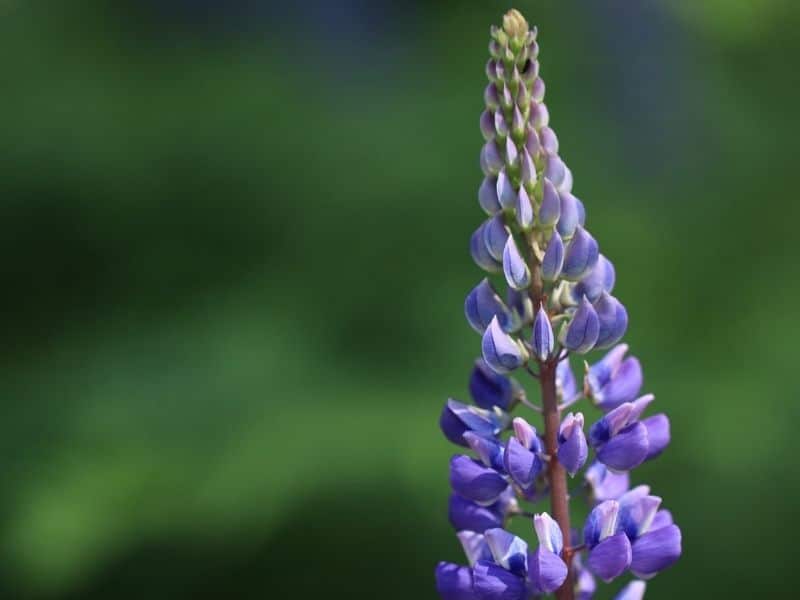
(572, 447)
(613, 380)
(474, 481)
(489, 389)
(500, 351)
(536, 235)
(581, 333)
(457, 418)
(609, 549)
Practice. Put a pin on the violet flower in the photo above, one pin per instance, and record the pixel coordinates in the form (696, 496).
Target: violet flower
(557, 301)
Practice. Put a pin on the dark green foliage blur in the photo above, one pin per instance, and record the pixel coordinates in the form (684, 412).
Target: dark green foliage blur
(234, 256)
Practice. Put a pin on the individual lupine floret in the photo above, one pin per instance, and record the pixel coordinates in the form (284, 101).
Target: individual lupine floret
(480, 254)
(550, 209)
(553, 259)
(581, 255)
(484, 304)
(458, 418)
(619, 438)
(474, 481)
(522, 458)
(543, 340)
(572, 447)
(613, 319)
(516, 270)
(546, 569)
(581, 334)
(489, 389)
(502, 352)
(598, 280)
(609, 550)
(614, 379)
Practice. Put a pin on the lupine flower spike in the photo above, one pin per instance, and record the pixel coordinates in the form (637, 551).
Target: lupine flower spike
(557, 302)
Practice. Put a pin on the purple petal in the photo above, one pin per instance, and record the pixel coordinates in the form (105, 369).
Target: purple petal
(518, 276)
(626, 450)
(526, 434)
(508, 550)
(454, 582)
(475, 482)
(613, 320)
(480, 254)
(524, 209)
(572, 447)
(553, 260)
(549, 533)
(566, 187)
(636, 516)
(583, 329)
(491, 97)
(491, 158)
(495, 583)
(555, 169)
(482, 305)
(475, 546)
(489, 389)
(537, 90)
(543, 339)
(512, 154)
(467, 515)
(522, 464)
(656, 550)
(532, 142)
(581, 255)
(598, 280)
(506, 194)
(487, 125)
(549, 140)
(611, 424)
(639, 406)
(623, 386)
(663, 518)
(550, 210)
(495, 235)
(488, 450)
(527, 168)
(546, 571)
(500, 351)
(487, 196)
(500, 124)
(521, 308)
(658, 434)
(633, 591)
(611, 557)
(601, 372)
(517, 122)
(540, 116)
(601, 523)
(568, 221)
(566, 385)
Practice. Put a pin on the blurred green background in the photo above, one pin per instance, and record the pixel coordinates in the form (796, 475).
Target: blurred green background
(234, 256)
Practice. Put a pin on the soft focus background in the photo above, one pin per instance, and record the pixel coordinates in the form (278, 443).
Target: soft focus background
(234, 256)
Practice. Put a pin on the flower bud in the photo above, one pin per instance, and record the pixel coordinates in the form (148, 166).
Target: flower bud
(500, 125)
(540, 116)
(487, 196)
(518, 276)
(553, 260)
(568, 219)
(543, 340)
(613, 320)
(526, 435)
(517, 123)
(491, 71)
(596, 281)
(508, 550)
(578, 204)
(480, 254)
(548, 532)
(550, 210)
(549, 140)
(473, 481)
(554, 169)
(491, 161)
(583, 329)
(532, 141)
(522, 464)
(581, 255)
(566, 188)
(500, 351)
(506, 98)
(487, 125)
(482, 305)
(527, 168)
(537, 90)
(514, 24)
(491, 98)
(505, 190)
(524, 208)
(572, 447)
(512, 154)
(495, 236)
(530, 71)
(489, 389)
(658, 434)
